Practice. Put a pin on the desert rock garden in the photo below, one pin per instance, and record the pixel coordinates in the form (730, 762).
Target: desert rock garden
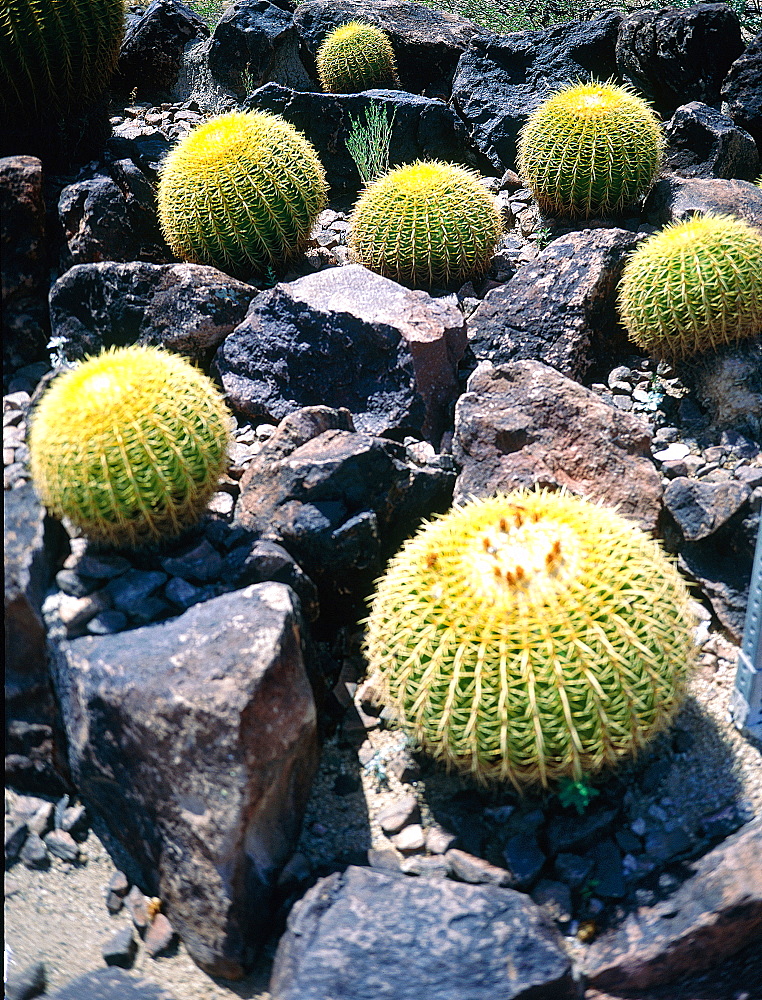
(382, 444)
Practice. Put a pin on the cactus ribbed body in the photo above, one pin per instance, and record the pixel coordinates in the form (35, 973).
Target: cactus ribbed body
(531, 637)
(54, 53)
(241, 192)
(355, 57)
(693, 287)
(428, 224)
(590, 149)
(129, 445)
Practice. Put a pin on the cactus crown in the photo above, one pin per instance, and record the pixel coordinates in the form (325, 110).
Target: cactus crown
(129, 445)
(54, 53)
(241, 192)
(355, 57)
(693, 286)
(590, 148)
(531, 637)
(427, 224)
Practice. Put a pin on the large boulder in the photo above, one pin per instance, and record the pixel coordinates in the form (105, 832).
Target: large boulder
(187, 308)
(561, 309)
(673, 199)
(502, 79)
(524, 424)
(362, 934)
(675, 55)
(703, 142)
(427, 43)
(195, 741)
(347, 337)
(741, 93)
(422, 128)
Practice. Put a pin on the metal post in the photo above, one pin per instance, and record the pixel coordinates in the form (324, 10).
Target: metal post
(746, 697)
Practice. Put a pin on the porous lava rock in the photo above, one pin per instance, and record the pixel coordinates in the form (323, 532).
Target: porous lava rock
(741, 93)
(703, 142)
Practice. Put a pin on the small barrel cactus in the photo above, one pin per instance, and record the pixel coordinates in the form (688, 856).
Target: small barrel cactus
(241, 192)
(129, 445)
(531, 637)
(56, 53)
(693, 287)
(589, 149)
(428, 224)
(355, 57)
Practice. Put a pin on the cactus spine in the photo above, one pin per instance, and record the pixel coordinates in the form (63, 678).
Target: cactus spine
(54, 53)
(129, 445)
(531, 637)
(591, 148)
(429, 224)
(241, 192)
(355, 57)
(693, 287)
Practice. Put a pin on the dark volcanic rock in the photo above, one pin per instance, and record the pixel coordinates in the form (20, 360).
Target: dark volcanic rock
(422, 128)
(427, 43)
(711, 916)
(728, 384)
(701, 508)
(502, 79)
(702, 142)
(349, 338)
(675, 55)
(742, 94)
(523, 424)
(153, 46)
(94, 217)
(561, 309)
(195, 739)
(340, 502)
(363, 933)
(673, 199)
(188, 308)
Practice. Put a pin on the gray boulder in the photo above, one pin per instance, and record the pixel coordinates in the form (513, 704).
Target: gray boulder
(524, 424)
(742, 94)
(347, 337)
(673, 199)
(94, 217)
(188, 308)
(427, 43)
(502, 79)
(703, 142)
(422, 128)
(674, 55)
(561, 309)
(195, 741)
(362, 934)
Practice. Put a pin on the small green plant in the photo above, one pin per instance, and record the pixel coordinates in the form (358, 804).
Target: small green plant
(693, 287)
(368, 143)
(355, 57)
(591, 148)
(531, 637)
(210, 11)
(427, 224)
(129, 445)
(241, 192)
(576, 794)
(56, 54)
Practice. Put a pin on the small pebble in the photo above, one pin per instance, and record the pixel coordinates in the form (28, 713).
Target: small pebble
(159, 936)
(672, 452)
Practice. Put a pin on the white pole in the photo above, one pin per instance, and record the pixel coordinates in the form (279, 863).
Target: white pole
(746, 697)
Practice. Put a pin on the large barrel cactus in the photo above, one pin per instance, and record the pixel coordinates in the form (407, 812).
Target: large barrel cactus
(355, 57)
(129, 445)
(428, 224)
(589, 149)
(693, 287)
(241, 192)
(531, 637)
(56, 53)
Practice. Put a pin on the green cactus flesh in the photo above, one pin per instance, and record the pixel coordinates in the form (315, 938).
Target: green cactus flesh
(241, 192)
(428, 224)
(693, 287)
(55, 53)
(129, 445)
(355, 57)
(530, 637)
(590, 149)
